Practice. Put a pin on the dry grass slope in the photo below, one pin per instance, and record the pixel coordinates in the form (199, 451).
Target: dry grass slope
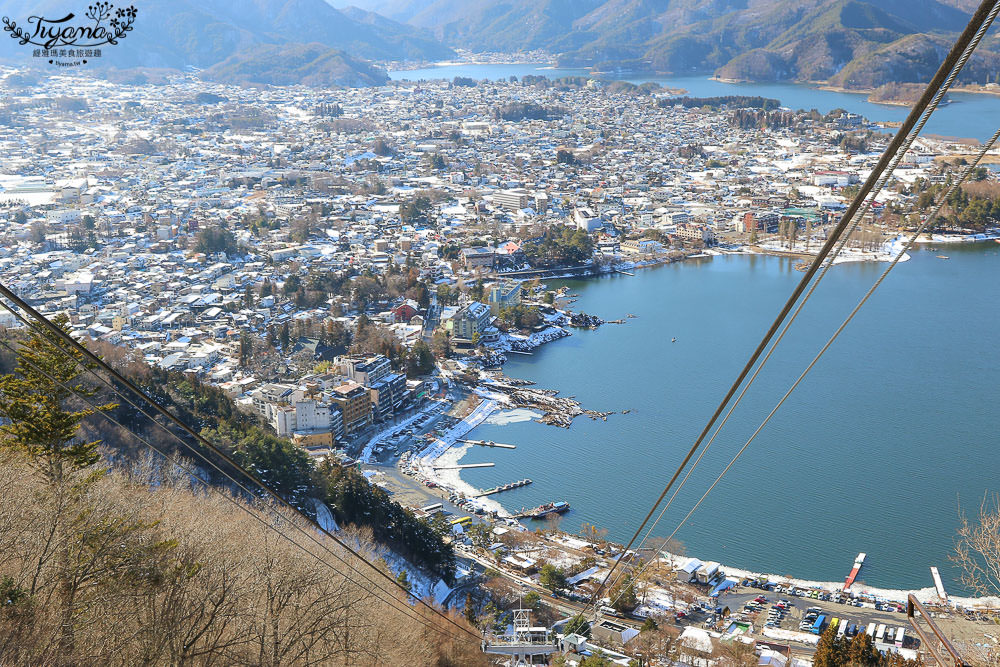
(137, 567)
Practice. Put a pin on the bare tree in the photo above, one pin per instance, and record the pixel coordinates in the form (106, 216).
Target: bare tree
(734, 653)
(977, 549)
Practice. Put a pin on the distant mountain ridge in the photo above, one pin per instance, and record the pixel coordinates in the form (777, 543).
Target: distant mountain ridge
(295, 64)
(858, 44)
(850, 43)
(202, 33)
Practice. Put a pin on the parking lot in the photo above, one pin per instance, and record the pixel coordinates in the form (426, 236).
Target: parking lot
(788, 611)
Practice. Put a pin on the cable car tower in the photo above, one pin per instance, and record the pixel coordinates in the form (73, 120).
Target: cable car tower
(524, 643)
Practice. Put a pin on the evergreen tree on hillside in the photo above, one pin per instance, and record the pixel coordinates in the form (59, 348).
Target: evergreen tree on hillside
(280, 464)
(861, 651)
(830, 650)
(36, 408)
(623, 596)
(41, 411)
(552, 577)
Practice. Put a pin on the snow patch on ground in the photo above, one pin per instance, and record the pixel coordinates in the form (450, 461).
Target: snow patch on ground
(659, 601)
(366, 453)
(324, 517)
(422, 585)
(886, 253)
(512, 416)
(791, 635)
(536, 339)
(444, 452)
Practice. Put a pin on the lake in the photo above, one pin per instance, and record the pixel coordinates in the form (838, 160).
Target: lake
(894, 428)
(968, 115)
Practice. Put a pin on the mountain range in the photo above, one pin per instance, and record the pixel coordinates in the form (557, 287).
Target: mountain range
(198, 34)
(850, 43)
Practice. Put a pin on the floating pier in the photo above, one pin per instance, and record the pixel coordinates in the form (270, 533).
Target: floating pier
(858, 562)
(505, 487)
(625, 273)
(519, 352)
(939, 585)
(463, 466)
(488, 443)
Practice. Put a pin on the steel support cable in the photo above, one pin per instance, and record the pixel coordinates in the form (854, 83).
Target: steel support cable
(405, 609)
(43, 321)
(909, 244)
(826, 267)
(864, 299)
(977, 20)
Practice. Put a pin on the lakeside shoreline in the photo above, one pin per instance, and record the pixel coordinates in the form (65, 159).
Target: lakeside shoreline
(888, 591)
(926, 595)
(819, 85)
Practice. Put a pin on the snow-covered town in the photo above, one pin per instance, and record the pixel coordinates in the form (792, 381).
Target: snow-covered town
(353, 268)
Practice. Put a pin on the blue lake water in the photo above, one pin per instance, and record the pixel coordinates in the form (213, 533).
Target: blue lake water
(894, 427)
(969, 115)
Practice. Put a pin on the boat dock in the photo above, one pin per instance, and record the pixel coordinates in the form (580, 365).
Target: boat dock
(505, 487)
(938, 584)
(519, 352)
(625, 273)
(488, 443)
(463, 466)
(858, 562)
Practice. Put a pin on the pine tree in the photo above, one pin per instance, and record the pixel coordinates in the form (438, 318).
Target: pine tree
(623, 597)
(35, 406)
(861, 651)
(829, 651)
(246, 349)
(283, 337)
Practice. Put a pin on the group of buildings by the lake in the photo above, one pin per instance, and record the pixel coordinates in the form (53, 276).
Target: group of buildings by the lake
(441, 192)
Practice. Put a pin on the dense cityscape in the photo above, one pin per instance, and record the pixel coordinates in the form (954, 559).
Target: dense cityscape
(328, 282)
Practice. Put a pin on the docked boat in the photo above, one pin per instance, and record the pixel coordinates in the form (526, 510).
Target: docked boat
(557, 507)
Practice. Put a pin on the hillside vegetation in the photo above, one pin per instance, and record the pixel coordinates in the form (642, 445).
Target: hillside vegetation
(114, 559)
(108, 569)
